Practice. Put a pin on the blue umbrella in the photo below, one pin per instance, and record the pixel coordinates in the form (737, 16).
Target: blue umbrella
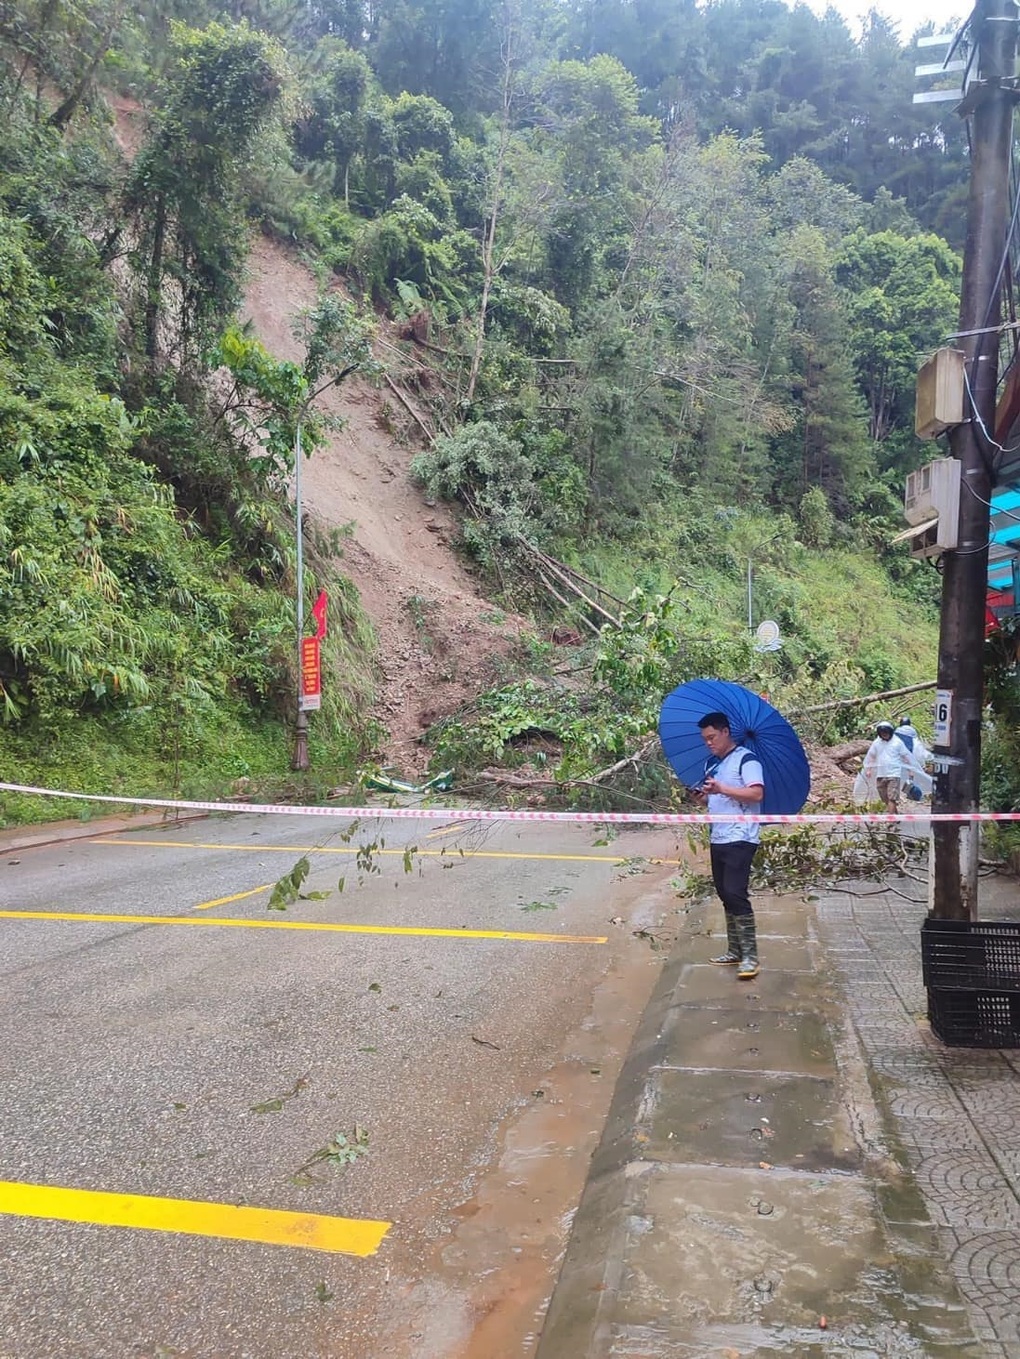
(753, 723)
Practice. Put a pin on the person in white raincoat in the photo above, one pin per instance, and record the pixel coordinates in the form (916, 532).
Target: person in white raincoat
(889, 764)
(919, 782)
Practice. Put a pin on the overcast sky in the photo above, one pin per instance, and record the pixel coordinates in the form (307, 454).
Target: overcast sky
(908, 14)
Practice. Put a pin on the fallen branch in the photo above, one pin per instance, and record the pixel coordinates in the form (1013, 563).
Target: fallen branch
(566, 604)
(852, 750)
(565, 580)
(438, 348)
(631, 761)
(498, 779)
(880, 892)
(570, 570)
(430, 434)
(860, 702)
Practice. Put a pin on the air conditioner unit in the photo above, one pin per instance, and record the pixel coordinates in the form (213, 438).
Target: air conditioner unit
(933, 492)
(940, 389)
(931, 538)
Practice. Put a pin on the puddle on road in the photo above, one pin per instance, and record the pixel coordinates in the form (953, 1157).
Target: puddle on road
(484, 1290)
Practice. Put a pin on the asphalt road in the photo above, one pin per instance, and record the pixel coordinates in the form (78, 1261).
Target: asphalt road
(168, 1077)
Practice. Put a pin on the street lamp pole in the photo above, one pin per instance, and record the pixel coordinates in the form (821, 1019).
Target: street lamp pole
(750, 615)
(750, 571)
(300, 760)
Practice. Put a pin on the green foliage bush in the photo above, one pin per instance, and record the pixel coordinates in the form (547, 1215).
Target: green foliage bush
(409, 241)
(519, 486)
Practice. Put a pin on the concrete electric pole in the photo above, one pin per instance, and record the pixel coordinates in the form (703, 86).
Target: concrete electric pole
(989, 100)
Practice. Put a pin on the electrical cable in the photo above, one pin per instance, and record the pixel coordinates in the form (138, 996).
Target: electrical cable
(1006, 514)
(1012, 273)
(990, 467)
(994, 294)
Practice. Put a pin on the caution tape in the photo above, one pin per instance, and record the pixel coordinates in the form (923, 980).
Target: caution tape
(512, 814)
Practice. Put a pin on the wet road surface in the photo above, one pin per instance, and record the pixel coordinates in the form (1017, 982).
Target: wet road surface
(358, 1127)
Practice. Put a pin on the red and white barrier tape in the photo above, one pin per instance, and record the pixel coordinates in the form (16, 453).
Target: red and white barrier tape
(500, 814)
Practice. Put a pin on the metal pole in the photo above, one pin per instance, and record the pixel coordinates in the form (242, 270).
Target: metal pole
(965, 570)
(300, 760)
(750, 573)
(750, 616)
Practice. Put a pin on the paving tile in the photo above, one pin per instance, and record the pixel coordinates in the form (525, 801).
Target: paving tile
(767, 1040)
(722, 1118)
(707, 985)
(956, 1114)
(986, 1266)
(762, 1290)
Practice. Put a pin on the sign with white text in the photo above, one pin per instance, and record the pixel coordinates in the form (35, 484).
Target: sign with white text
(943, 716)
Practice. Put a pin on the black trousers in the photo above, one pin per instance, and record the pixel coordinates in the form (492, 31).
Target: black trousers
(731, 872)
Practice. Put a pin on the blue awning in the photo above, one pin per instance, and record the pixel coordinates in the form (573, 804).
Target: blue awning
(1004, 547)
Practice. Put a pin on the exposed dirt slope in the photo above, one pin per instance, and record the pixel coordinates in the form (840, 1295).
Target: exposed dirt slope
(438, 638)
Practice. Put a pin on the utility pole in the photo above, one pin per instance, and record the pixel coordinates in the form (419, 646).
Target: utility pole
(960, 699)
(300, 758)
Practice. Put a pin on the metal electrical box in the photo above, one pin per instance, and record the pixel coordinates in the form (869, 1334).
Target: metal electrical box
(940, 391)
(933, 492)
(931, 506)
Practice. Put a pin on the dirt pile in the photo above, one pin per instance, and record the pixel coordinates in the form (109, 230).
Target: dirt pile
(439, 639)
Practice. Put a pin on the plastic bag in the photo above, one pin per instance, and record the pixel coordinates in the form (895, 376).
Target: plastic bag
(865, 789)
(920, 785)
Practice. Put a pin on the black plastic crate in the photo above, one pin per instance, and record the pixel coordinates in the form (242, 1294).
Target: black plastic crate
(975, 1019)
(979, 955)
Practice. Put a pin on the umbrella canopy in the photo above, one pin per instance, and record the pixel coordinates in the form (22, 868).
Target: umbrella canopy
(753, 723)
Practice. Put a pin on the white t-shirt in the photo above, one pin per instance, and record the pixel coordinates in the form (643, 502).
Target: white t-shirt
(889, 759)
(739, 769)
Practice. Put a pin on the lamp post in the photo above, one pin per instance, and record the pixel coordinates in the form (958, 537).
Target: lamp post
(300, 760)
(750, 559)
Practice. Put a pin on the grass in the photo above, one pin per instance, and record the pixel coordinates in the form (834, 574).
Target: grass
(230, 755)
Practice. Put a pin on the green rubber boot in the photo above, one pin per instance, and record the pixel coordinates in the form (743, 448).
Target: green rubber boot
(732, 955)
(747, 966)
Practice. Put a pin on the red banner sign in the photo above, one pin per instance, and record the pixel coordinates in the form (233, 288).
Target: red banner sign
(319, 610)
(311, 674)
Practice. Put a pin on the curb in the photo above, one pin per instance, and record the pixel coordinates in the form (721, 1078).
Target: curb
(57, 832)
(590, 1277)
(695, 1235)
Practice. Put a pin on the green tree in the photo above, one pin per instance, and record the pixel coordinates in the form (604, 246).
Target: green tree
(829, 448)
(332, 128)
(902, 298)
(182, 195)
(55, 51)
(592, 137)
(444, 48)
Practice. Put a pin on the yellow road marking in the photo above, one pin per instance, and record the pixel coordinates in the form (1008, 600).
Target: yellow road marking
(89, 917)
(448, 830)
(618, 862)
(270, 1226)
(238, 896)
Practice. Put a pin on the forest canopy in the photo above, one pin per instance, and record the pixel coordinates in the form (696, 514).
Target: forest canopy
(670, 268)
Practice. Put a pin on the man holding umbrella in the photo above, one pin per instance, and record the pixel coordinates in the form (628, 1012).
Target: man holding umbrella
(756, 766)
(734, 783)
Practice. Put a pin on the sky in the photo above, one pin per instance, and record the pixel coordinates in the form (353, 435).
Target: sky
(908, 14)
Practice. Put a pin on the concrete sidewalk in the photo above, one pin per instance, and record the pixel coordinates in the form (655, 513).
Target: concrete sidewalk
(794, 1166)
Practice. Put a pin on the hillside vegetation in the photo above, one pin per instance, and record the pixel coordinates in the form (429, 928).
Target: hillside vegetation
(646, 285)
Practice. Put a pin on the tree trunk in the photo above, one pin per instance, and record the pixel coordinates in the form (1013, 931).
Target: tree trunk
(66, 111)
(489, 268)
(154, 283)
